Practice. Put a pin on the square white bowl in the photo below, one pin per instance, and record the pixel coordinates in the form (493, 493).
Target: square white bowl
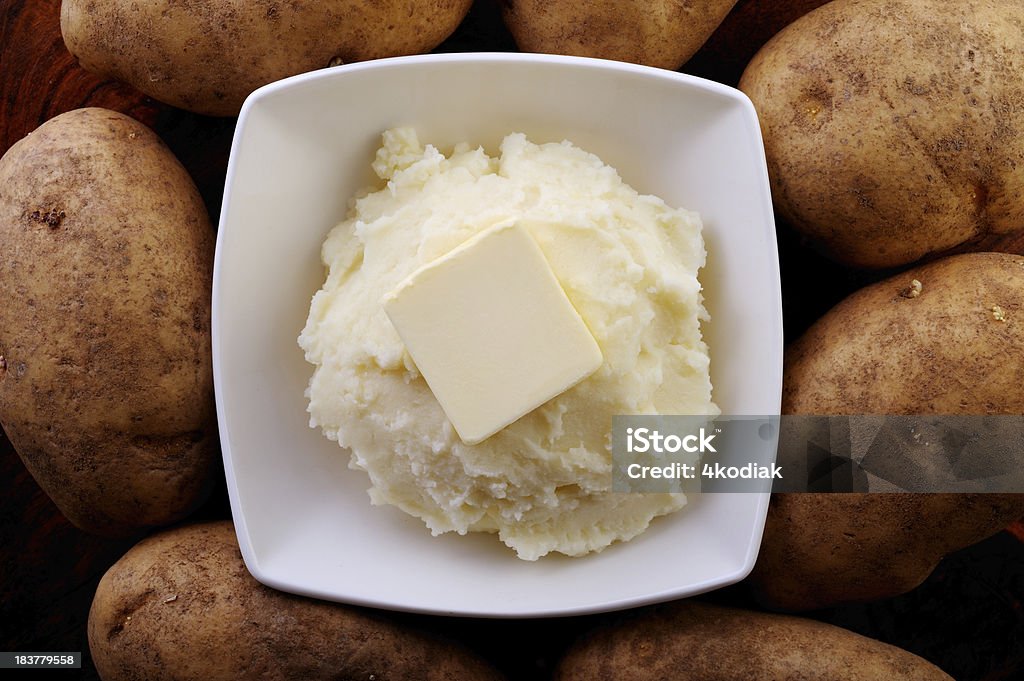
(302, 147)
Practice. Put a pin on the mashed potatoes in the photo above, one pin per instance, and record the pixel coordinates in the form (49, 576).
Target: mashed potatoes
(628, 264)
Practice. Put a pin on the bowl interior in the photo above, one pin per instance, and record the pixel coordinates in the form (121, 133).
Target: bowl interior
(302, 148)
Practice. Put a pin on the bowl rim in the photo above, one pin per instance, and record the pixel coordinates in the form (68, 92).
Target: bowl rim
(524, 58)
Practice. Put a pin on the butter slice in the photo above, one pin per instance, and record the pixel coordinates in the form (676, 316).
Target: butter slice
(492, 331)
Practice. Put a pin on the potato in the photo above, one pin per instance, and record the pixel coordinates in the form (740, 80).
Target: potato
(821, 550)
(952, 345)
(661, 33)
(106, 385)
(691, 640)
(181, 605)
(893, 128)
(208, 56)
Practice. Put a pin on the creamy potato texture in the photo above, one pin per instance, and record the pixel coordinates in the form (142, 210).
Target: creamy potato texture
(628, 264)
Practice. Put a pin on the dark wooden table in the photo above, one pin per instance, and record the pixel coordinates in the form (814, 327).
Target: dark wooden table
(49, 569)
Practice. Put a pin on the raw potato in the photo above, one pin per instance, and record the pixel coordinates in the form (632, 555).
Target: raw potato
(182, 606)
(690, 640)
(893, 128)
(956, 347)
(106, 385)
(820, 550)
(953, 347)
(662, 33)
(208, 56)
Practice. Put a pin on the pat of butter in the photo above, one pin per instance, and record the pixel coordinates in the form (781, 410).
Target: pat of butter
(491, 331)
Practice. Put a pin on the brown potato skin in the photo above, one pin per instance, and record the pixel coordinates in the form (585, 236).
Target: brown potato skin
(881, 351)
(181, 605)
(106, 387)
(689, 640)
(892, 128)
(820, 550)
(207, 57)
(664, 34)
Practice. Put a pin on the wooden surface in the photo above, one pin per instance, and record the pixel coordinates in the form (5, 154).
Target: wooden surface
(48, 569)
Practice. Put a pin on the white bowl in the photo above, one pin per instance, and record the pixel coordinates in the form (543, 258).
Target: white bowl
(302, 147)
